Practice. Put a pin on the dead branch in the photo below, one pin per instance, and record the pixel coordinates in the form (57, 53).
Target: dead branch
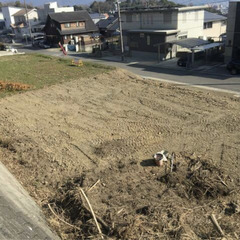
(94, 185)
(92, 212)
(216, 224)
(61, 219)
(104, 224)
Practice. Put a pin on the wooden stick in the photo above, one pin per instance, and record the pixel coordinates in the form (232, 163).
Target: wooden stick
(94, 185)
(216, 224)
(172, 160)
(93, 214)
(104, 224)
(62, 219)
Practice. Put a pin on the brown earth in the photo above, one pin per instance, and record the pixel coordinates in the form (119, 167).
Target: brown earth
(68, 136)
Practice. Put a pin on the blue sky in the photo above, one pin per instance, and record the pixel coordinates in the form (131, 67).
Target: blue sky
(78, 2)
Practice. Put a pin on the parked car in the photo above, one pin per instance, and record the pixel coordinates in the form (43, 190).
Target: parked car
(43, 44)
(233, 66)
(182, 62)
(36, 41)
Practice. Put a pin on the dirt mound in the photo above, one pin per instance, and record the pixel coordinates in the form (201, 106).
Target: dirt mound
(151, 204)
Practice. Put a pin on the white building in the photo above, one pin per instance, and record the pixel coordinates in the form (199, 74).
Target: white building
(8, 13)
(23, 21)
(144, 28)
(214, 27)
(52, 7)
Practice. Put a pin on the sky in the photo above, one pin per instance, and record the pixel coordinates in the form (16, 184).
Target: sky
(84, 2)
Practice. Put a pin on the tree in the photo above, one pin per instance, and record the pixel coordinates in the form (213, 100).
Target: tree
(17, 4)
(77, 7)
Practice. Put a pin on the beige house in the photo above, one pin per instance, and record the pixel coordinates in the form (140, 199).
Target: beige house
(214, 27)
(144, 28)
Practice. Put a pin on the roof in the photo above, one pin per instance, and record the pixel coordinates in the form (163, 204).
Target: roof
(166, 31)
(22, 12)
(97, 16)
(213, 17)
(187, 42)
(208, 46)
(67, 17)
(107, 23)
(163, 9)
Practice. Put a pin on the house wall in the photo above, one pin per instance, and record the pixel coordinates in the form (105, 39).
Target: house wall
(73, 26)
(149, 20)
(64, 9)
(191, 23)
(8, 15)
(233, 32)
(217, 29)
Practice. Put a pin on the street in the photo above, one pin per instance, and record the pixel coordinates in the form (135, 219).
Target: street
(216, 78)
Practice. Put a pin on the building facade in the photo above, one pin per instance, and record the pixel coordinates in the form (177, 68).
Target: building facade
(8, 13)
(73, 28)
(52, 7)
(144, 28)
(24, 20)
(232, 49)
(214, 27)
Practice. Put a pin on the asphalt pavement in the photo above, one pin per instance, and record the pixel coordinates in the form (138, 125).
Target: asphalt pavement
(210, 77)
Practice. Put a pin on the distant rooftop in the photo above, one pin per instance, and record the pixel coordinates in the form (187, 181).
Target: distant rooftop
(22, 12)
(163, 8)
(213, 17)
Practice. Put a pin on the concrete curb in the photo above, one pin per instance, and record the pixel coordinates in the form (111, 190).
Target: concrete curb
(20, 217)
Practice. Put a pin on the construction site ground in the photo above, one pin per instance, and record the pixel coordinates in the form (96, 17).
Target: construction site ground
(99, 133)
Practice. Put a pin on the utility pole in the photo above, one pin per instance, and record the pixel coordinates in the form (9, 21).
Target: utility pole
(120, 29)
(28, 21)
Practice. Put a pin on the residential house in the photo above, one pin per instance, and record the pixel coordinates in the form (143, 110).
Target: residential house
(52, 7)
(8, 13)
(96, 17)
(108, 27)
(75, 28)
(2, 22)
(214, 27)
(24, 20)
(144, 28)
(232, 49)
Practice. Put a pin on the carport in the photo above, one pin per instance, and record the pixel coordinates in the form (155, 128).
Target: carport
(189, 43)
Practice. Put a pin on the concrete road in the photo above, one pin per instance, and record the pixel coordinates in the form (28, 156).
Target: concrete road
(215, 78)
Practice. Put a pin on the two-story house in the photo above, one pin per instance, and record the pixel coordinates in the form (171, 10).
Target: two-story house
(24, 20)
(71, 27)
(214, 26)
(8, 13)
(144, 28)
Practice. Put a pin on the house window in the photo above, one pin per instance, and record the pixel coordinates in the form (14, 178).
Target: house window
(65, 37)
(207, 25)
(167, 17)
(129, 18)
(77, 24)
(148, 40)
(67, 25)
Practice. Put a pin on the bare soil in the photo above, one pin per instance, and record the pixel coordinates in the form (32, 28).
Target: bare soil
(104, 130)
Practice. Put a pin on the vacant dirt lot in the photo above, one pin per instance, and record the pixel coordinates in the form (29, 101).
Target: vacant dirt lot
(58, 139)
